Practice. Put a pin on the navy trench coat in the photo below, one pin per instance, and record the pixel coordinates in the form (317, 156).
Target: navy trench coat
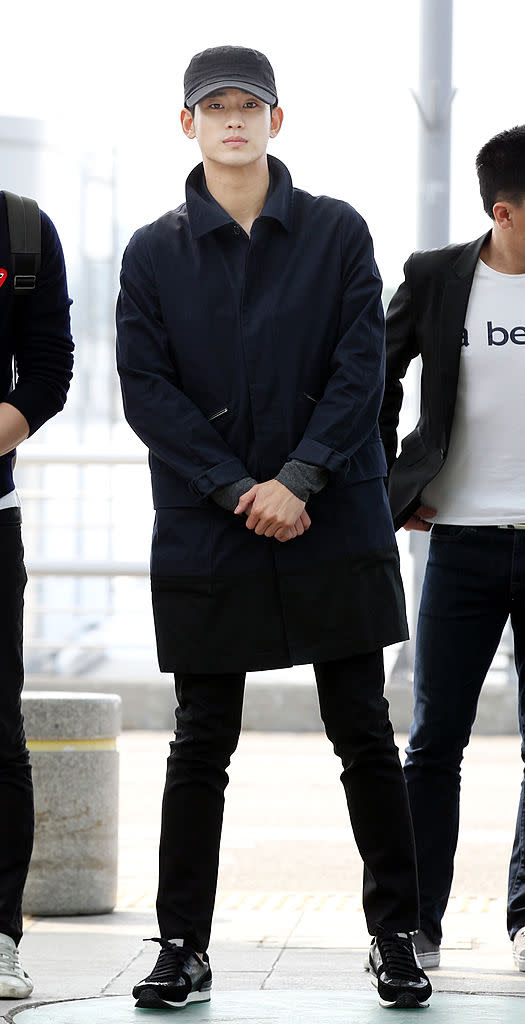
(236, 354)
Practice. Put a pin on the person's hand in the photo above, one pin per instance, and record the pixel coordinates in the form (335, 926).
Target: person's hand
(270, 508)
(303, 523)
(417, 522)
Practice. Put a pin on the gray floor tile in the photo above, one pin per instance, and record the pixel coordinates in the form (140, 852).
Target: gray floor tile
(281, 1007)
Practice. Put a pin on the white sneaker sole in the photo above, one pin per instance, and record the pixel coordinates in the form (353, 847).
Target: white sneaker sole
(150, 999)
(404, 1001)
(194, 997)
(519, 961)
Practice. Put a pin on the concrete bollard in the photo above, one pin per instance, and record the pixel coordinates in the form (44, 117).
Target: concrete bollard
(72, 740)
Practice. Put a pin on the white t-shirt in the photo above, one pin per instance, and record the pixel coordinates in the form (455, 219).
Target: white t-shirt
(482, 482)
(10, 500)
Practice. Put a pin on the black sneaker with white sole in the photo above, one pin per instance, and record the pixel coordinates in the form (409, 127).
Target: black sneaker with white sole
(180, 976)
(396, 973)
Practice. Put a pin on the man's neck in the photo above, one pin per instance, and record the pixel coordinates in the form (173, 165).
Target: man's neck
(499, 254)
(241, 191)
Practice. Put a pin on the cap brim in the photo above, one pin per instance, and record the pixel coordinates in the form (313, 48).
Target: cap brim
(256, 90)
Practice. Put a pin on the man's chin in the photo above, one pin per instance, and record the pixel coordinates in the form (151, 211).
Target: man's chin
(236, 157)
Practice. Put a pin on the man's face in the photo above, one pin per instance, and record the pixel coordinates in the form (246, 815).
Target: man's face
(232, 127)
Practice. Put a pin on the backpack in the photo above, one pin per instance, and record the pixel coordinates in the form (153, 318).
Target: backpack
(23, 216)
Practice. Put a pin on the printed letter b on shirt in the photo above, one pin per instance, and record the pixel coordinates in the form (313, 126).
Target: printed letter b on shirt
(491, 331)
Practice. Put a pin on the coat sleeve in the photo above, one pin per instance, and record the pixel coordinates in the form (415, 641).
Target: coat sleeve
(401, 348)
(347, 412)
(164, 418)
(43, 346)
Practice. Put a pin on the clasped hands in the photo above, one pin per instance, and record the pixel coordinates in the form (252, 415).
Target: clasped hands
(273, 511)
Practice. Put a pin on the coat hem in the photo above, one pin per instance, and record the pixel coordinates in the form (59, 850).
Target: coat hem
(268, 662)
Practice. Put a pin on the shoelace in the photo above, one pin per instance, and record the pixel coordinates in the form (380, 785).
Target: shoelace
(9, 960)
(170, 957)
(398, 957)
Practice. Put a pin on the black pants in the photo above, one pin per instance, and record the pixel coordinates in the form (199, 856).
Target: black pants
(16, 790)
(355, 715)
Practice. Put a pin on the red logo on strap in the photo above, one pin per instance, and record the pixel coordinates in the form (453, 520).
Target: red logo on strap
(3, 276)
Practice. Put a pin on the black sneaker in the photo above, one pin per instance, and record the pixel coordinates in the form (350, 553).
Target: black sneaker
(179, 977)
(396, 973)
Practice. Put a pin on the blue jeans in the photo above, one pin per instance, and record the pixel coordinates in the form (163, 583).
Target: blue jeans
(475, 579)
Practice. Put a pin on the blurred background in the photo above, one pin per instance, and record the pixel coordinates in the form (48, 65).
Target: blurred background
(89, 125)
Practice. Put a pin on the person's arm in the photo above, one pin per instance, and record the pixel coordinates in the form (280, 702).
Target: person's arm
(346, 414)
(43, 348)
(401, 347)
(159, 412)
(228, 497)
(302, 479)
(14, 428)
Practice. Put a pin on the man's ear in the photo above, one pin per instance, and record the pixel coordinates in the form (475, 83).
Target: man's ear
(188, 126)
(502, 215)
(276, 122)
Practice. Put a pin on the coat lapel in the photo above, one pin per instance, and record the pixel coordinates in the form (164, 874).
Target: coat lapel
(452, 321)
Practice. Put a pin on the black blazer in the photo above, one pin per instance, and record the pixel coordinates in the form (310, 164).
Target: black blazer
(426, 317)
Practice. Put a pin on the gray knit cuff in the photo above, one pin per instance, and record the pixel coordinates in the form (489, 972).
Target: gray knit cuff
(228, 497)
(302, 479)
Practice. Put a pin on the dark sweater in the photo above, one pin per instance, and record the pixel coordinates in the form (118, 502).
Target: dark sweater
(35, 335)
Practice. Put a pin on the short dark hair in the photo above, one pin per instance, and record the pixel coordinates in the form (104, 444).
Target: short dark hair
(500, 164)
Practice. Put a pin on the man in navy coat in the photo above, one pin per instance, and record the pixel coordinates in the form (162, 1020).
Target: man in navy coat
(251, 357)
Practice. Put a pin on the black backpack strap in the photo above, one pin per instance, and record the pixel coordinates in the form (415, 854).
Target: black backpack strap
(23, 217)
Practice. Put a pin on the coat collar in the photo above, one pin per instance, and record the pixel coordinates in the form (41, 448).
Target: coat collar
(205, 214)
(465, 264)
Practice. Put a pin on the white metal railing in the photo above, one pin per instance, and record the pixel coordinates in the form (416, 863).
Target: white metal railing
(38, 455)
(84, 567)
(43, 456)
(87, 600)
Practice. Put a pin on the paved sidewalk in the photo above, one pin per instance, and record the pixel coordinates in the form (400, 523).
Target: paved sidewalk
(289, 936)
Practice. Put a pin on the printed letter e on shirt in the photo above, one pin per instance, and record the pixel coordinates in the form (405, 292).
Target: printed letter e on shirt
(500, 335)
